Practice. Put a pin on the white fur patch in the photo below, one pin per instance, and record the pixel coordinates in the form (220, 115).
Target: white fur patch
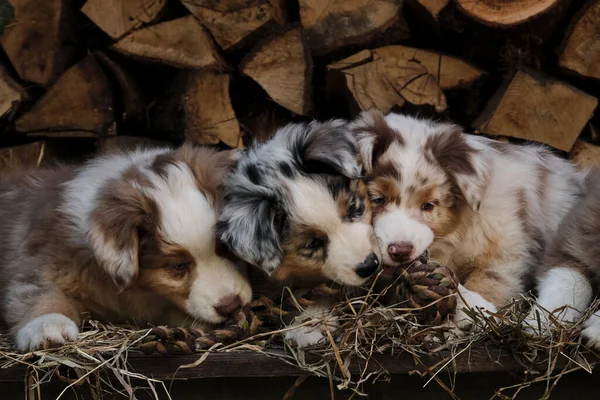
(48, 329)
(561, 287)
(473, 300)
(591, 331)
(310, 335)
(217, 278)
(395, 227)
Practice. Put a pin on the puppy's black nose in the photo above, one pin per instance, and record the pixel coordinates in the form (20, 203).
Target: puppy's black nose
(368, 267)
(400, 252)
(228, 305)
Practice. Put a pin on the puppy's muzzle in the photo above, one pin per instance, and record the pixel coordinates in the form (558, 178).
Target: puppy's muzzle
(368, 267)
(228, 306)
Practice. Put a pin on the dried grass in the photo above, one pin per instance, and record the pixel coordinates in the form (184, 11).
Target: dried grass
(99, 358)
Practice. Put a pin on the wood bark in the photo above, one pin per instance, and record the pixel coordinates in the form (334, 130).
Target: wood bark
(393, 75)
(505, 13)
(581, 50)
(119, 17)
(80, 103)
(537, 107)
(233, 22)
(11, 93)
(181, 43)
(283, 67)
(208, 114)
(585, 155)
(331, 24)
(41, 41)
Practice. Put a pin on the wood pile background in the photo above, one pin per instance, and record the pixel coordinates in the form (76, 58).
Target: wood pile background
(79, 77)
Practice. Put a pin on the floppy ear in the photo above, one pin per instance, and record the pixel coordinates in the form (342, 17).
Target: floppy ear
(326, 147)
(122, 213)
(250, 225)
(464, 158)
(373, 136)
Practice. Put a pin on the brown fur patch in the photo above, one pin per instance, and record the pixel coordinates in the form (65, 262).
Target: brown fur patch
(383, 133)
(451, 151)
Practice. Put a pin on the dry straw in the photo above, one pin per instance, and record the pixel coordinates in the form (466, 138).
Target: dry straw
(366, 329)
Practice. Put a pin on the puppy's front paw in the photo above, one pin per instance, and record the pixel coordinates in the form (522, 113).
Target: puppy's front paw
(309, 335)
(476, 302)
(591, 331)
(46, 331)
(306, 336)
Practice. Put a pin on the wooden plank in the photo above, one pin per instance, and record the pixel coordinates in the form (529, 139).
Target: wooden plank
(252, 364)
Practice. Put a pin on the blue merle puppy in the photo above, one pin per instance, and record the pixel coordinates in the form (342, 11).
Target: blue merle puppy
(295, 207)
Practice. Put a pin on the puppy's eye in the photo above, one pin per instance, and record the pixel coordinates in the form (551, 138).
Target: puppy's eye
(378, 200)
(180, 267)
(427, 206)
(354, 210)
(315, 243)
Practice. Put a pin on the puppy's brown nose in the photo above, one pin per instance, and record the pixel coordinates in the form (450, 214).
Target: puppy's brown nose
(400, 252)
(228, 305)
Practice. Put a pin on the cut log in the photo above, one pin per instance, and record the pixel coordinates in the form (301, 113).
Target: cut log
(331, 24)
(80, 102)
(115, 144)
(119, 17)
(11, 93)
(283, 67)
(22, 157)
(581, 50)
(536, 107)
(585, 155)
(41, 40)
(505, 13)
(132, 98)
(232, 23)
(181, 43)
(390, 76)
(208, 114)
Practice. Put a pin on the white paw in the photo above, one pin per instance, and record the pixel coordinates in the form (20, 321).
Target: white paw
(591, 332)
(306, 336)
(46, 331)
(310, 335)
(538, 322)
(477, 303)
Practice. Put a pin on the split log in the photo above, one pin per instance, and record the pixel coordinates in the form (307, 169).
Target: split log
(11, 93)
(331, 24)
(181, 43)
(283, 67)
(41, 40)
(198, 109)
(131, 95)
(393, 75)
(119, 17)
(22, 157)
(209, 116)
(585, 155)
(115, 144)
(537, 107)
(581, 50)
(80, 103)
(234, 23)
(503, 13)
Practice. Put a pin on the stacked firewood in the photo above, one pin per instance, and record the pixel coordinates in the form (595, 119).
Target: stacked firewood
(78, 77)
